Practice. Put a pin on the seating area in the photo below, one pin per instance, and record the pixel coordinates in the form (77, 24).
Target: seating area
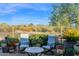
(24, 48)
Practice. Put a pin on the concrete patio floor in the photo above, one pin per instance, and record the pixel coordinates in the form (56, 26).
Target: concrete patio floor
(21, 54)
(14, 54)
(25, 54)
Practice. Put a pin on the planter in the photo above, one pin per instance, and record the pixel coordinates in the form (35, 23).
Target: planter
(69, 44)
(59, 50)
(76, 48)
(5, 49)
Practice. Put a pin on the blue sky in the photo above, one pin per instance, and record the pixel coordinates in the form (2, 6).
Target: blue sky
(35, 13)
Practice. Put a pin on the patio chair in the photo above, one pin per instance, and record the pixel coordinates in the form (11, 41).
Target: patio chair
(50, 43)
(23, 43)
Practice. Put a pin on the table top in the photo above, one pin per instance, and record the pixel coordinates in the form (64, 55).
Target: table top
(34, 50)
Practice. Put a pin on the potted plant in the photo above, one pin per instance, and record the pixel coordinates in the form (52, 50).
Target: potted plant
(60, 49)
(4, 47)
(71, 36)
(38, 39)
(76, 48)
(69, 52)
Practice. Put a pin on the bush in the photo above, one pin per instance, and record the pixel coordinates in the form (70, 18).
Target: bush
(38, 39)
(69, 52)
(71, 34)
(12, 41)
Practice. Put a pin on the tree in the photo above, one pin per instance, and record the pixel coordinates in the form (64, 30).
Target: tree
(66, 15)
(30, 24)
(5, 27)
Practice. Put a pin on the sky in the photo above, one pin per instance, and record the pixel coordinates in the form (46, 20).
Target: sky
(25, 13)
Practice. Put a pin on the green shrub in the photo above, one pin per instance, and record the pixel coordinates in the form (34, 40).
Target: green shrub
(69, 51)
(38, 39)
(71, 35)
(12, 41)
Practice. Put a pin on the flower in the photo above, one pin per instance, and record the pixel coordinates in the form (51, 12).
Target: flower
(71, 34)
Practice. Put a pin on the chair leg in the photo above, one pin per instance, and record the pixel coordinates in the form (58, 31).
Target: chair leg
(28, 54)
(49, 51)
(22, 51)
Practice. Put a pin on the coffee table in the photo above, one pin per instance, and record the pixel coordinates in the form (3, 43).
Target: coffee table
(34, 51)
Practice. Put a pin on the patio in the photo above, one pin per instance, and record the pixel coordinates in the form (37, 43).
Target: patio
(27, 47)
(25, 54)
(20, 54)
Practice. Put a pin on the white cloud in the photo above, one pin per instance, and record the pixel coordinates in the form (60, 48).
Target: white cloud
(6, 9)
(13, 8)
(31, 6)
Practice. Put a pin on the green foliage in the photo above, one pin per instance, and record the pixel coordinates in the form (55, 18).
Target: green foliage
(71, 35)
(12, 41)
(69, 51)
(38, 39)
(65, 15)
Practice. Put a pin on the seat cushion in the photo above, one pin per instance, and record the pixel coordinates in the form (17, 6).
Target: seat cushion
(23, 46)
(51, 44)
(47, 47)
